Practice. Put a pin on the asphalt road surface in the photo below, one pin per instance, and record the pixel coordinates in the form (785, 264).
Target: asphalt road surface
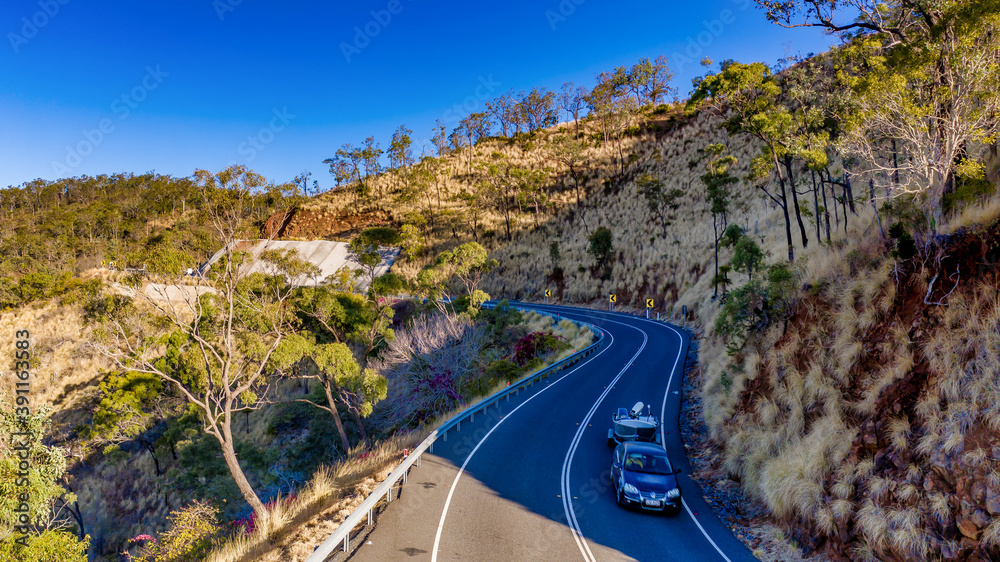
(530, 479)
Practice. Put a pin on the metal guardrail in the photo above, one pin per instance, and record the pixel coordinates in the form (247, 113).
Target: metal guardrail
(343, 533)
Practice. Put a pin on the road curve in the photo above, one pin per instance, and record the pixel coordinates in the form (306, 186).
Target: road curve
(530, 479)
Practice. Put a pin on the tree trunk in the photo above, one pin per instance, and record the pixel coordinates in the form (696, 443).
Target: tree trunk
(871, 187)
(843, 206)
(795, 202)
(715, 280)
(784, 208)
(849, 194)
(819, 219)
(361, 424)
(156, 462)
(229, 455)
(788, 220)
(895, 164)
(336, 415)
(826, 208)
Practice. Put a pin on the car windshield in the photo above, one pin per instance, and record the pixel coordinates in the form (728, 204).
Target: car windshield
(649, 463)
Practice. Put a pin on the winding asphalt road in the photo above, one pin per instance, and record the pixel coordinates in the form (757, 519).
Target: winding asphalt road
(530, 479)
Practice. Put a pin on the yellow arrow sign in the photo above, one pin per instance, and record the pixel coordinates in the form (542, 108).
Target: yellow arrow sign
(548, 292)
(649, 303)
(613, 298)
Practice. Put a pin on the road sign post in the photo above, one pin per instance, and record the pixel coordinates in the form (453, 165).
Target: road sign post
(649, 305)
(611, 301)
(548, 293)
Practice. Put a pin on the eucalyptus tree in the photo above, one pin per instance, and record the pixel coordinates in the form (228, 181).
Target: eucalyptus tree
(531, 189)
(439, 136)
(215, 347)
(368, 249)
(346, 166)
(752, 94)
(370, 155)
(400, 150)
(302, 180)
(571, 152)
(718, 181)
(503, 110)
(662, 202)
(572, 100)
(922, 76)
(498, 188)
(614, 110)
(538, 108)
(657, 81)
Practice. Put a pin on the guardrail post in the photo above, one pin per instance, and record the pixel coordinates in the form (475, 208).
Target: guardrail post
(418, 456)
(346, 539)
(369, 517)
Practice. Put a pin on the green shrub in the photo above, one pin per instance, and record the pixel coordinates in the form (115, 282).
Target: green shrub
(968, 191)
(48, 546)
(743, 312)
(503, 370)
(194, 529)
(906, 247)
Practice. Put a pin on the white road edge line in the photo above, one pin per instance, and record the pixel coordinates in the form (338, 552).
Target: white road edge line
(454, 484)
(581, 542)
(663, 411)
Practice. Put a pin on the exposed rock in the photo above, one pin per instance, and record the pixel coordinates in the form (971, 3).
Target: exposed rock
(967, 545)
(979, 491)
(868, 435)
(962, 485)
(980, 518)
(968, 528)
(992, 500)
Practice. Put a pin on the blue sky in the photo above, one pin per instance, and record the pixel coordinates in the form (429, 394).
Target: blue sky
(185, 84)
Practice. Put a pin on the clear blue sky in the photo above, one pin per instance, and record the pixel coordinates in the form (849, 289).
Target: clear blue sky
(176, 85)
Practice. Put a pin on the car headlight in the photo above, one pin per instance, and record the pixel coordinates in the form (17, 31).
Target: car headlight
(630, 489)
(675, 493)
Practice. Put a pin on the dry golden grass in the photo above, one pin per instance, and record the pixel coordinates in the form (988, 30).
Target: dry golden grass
(293, 529)
(64, 367)
(840, 365)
